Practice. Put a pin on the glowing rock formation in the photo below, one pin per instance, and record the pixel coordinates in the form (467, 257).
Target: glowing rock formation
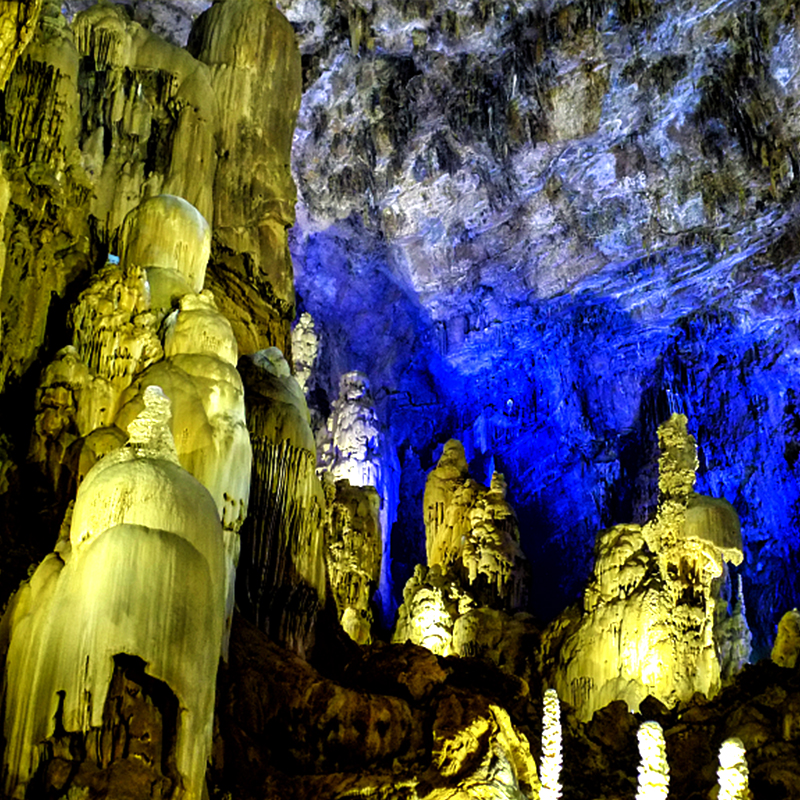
(281, 584)
(550, 771)
(254, 66)
(17, 25)
(476, 572)
(432, 602)
(170, 238)
(732, 774)
(473, 530)
(353, 553)
(150, 88)
(143, 574)
(786, 649)
(208, 421)
(114, 330)
(653, 781)
(114, 337)
(305, 350)
(648, 611)
(358, 450)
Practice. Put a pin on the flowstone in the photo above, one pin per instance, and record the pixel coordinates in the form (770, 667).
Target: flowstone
(142, 574)
(647, 624)
(281, 584)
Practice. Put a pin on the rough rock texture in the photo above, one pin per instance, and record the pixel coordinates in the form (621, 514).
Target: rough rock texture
(149, 118)
(354, 446)
(254, 65)
(397, 722)
(647, 624)
(282, 582)
(44, 192)
(538, 229)
(541, 229)
(353, 554)
(17, 25)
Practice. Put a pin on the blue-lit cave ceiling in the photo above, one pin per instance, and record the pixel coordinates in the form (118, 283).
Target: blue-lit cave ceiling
(541, 227)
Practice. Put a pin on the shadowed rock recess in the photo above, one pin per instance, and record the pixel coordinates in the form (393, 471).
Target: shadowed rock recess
(399, 400)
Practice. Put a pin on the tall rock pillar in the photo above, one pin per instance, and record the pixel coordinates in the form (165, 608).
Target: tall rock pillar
(255, 73)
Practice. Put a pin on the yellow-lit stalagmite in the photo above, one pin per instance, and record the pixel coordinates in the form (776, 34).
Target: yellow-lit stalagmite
(647, 626)
(141, 574)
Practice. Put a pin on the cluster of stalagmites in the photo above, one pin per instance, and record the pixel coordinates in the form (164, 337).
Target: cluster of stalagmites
(143, 414)
(647, 626)
(468, 599)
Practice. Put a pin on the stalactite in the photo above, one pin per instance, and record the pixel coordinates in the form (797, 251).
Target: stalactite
(281, 582)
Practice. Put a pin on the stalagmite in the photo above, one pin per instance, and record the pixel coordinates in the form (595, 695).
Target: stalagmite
(199, 375)
(649, 608)
(169, 237)
(353, 548)
(473, 530)
(305, 349)
(732, 775)
(359, 450)
(653, 781)
(550, 771)
(208, 421)
(432, 604)
(477, 574)
(281, 583)
(786, 649)
(143, 574)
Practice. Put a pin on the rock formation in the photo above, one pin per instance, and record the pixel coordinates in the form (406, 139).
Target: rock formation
(254, 66)
(648, 612)
(538, 230)
(142, 573)
(353, 554)
(355, 447)
(464, 601)
(732, 772)
(550, 771)
(17, 26)
(472, 529)
(282, 580)
(786, 649)
(151, 127)
(653, 769)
